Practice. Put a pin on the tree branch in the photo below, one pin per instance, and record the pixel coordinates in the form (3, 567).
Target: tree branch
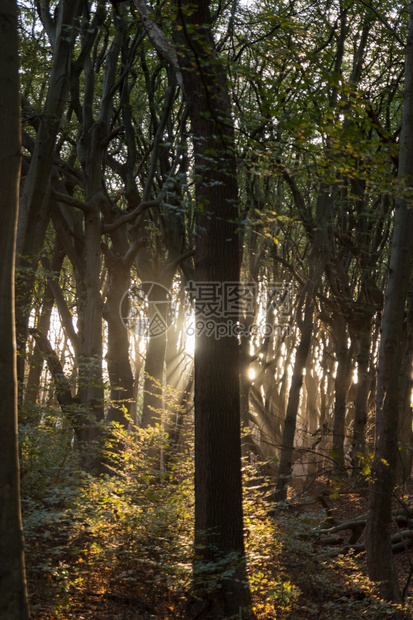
(61, 383)
(131, 217)
(71, 201)
(158, 39)
(65, 314)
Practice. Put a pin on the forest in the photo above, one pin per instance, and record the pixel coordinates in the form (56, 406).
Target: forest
(206, 309)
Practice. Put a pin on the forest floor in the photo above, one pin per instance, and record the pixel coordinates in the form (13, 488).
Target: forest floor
(95, 574)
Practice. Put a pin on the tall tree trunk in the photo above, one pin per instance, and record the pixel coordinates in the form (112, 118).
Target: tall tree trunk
(13, 591)
(218, 488)
(406, 411)
(379, 555)
(117, 357)
(91, 149)
(90, 343)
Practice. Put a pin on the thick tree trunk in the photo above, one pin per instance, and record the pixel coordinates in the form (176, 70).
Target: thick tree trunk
(404, 464)
(379, 555)
(117, 357)
(153, 403)
(218, 488)
(90, 386)
(91, 149)
(13, 592)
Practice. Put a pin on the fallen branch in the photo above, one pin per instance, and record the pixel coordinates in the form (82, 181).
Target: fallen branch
(400, 541)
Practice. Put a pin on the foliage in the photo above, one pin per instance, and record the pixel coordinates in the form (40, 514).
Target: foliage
(130, 531)
(135, 518)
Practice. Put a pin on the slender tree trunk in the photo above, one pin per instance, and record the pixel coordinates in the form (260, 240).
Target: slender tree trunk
(379, 555)
(317, 232)
(286, 464)
(159, 298)
(342, 384)
(313, 389)
(34, 213)
(248, 444)
(361, 401)
(13, 591)
(68, 403)
(327, 389)
(37, 358)
(155, 358)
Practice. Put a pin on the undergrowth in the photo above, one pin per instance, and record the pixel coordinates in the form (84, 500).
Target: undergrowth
(127, 534)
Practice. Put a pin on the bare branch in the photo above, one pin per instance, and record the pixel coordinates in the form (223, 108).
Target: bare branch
(171, 266)
(131, 217)
(71, 201)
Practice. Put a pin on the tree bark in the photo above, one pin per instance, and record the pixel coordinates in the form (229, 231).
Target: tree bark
(406, 411)
(378, 543)
(13, 591)
(218, 488)
(117, 357)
